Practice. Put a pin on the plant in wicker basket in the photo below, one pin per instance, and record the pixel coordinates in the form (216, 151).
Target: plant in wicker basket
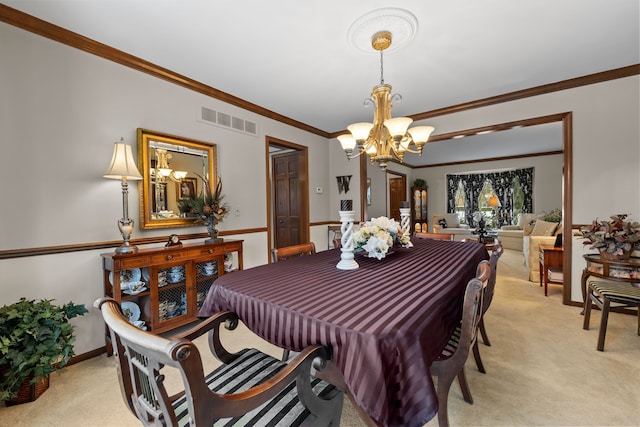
(614, 239)
(36, 339)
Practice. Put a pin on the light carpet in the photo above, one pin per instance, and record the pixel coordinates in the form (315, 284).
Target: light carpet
(542, 370)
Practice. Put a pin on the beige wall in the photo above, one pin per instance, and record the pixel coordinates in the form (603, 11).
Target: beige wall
(62, 109)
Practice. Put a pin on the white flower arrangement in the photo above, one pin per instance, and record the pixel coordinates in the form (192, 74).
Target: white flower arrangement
(377, 236)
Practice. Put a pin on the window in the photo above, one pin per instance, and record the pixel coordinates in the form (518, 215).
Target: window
(483, 205)
(518, 198)
(460, 203)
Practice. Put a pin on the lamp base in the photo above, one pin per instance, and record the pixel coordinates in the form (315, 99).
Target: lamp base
(126, 249)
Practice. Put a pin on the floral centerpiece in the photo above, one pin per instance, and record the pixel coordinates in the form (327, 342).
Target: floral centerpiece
(377, 236)
(615, 239)
(210, 207)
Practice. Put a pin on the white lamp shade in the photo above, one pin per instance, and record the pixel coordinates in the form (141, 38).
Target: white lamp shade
(122, 164)
(398, 125)
(164, 171)
(404, 144)
(421, 134)
(347, 141)
(180, 174)
(360, 131)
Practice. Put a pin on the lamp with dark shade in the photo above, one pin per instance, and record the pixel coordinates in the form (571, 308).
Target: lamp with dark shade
(123, 167)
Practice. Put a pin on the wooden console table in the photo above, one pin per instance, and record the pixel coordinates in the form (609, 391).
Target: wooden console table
(550, 258)
(617, 270)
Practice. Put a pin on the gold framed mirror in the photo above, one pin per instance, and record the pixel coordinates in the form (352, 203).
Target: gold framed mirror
(172, 168)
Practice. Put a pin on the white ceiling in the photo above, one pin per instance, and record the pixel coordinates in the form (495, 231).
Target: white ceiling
(294, 58)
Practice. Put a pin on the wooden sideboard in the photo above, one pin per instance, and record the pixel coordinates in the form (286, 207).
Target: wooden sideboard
(175, 281)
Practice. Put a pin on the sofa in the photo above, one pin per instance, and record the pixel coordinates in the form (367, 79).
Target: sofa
(511, 236)
(450, 225)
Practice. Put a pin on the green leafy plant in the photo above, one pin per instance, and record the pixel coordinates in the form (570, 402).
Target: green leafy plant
(418, 182)
(186, 205)
(554, 216)
(36, 339)
(616, 236)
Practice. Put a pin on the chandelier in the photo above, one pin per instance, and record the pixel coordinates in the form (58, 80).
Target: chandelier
(386, 138)
(162, 171)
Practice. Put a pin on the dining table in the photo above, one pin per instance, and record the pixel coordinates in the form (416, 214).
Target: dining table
(386, 321)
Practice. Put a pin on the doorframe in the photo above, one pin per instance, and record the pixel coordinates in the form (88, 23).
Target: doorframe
(304, 181)
(566, 119)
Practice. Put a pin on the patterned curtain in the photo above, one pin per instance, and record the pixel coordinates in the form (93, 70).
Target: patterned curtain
(502, 183)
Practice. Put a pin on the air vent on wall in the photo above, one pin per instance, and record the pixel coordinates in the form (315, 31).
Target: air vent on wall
(224, 120)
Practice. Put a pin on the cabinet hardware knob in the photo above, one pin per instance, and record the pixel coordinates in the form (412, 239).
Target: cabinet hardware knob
(210, 251)
(169, 256)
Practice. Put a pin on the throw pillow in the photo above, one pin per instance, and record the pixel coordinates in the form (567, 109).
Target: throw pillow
(544, 228)
(443, 223)
(526, 219)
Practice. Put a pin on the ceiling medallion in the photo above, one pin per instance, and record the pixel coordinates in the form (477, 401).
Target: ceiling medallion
(399, 22)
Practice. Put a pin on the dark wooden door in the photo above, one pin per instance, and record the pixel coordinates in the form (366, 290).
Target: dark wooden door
(287, 199)
(397, 194)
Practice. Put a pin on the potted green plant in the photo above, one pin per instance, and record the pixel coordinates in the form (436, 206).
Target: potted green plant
(615, 239)
(420, 183)
(36, 339)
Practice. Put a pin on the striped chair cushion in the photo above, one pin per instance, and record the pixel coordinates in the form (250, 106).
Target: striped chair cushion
(617, 291)
(252, 368)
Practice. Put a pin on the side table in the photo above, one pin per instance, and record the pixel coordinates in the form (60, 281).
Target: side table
(550, 258)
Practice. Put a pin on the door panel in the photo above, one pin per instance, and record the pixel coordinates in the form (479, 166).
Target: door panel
(397, 194)
(287, 199)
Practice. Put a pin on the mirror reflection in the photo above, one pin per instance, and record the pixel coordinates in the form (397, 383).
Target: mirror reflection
(173, 168)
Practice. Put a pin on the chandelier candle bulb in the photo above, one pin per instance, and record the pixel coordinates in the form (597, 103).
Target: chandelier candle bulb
(346, 205)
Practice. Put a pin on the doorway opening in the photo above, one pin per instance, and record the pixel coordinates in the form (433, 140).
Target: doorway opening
(287, 180)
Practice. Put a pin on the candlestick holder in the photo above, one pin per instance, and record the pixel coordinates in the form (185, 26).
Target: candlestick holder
(347, 261)
(405, 221)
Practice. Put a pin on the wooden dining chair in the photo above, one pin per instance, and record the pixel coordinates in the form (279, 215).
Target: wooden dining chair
(278, 254)
(435, 236)
(486, 302)
(450, 363)
(249, 388)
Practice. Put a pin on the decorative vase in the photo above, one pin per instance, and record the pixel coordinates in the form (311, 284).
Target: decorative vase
(615, 256)
(213, 232)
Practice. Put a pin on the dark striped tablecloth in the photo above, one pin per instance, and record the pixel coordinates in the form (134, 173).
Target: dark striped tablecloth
(386, 321)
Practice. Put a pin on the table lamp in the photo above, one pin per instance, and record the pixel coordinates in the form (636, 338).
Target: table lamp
(123, 167)
(493, 202)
